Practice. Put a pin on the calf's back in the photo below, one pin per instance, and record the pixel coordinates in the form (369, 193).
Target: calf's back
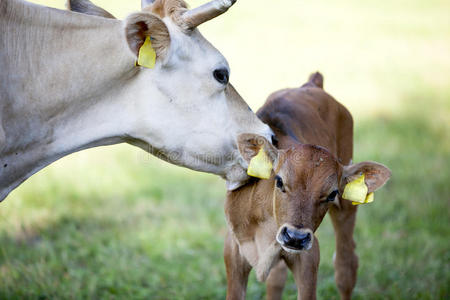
(309, 115)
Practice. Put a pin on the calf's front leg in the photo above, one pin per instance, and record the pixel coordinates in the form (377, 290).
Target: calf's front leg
(276, 281)
(346, 260)
(237, 269)
(304, 267)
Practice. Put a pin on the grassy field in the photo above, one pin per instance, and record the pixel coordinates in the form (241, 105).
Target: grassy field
(114, 223)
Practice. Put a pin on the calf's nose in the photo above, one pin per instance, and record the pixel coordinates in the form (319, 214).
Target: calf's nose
(295, 238)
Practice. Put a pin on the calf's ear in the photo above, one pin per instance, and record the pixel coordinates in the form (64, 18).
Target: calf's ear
(142, 25)
(375, 174)
(259, 154)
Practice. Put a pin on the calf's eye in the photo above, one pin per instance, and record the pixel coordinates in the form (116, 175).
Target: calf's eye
(279, 183)
(332, 196)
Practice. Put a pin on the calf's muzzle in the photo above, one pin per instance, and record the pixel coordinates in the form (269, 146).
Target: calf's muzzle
(293, 239)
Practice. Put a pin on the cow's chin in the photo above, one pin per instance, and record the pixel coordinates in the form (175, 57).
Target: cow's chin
(234, 185)
(236, 177)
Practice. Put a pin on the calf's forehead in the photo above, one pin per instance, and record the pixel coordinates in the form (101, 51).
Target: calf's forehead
(310, 166)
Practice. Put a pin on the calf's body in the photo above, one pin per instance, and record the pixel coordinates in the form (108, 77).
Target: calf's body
(271, 222)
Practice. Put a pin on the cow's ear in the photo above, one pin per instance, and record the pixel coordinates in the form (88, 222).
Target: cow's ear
(375, 174)
(259, 154)
(250, 145)
(145, 3)
(88, 8)
(139, 26)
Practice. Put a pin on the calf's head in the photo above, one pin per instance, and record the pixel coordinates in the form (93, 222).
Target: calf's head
(306, 181)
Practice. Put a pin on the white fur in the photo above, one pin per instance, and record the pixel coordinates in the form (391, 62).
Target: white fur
(68, 83)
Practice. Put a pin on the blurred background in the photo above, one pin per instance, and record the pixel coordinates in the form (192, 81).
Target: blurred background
(115, 223)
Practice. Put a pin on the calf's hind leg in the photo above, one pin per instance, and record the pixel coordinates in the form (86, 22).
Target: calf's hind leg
(346, 260)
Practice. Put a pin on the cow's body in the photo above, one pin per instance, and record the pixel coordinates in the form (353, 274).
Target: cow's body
(300, 117)
(68, 82)
(56, 82)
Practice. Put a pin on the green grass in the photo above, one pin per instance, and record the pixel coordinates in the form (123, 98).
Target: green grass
(114, 223)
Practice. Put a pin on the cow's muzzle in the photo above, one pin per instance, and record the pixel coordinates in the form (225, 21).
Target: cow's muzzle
(293, 239)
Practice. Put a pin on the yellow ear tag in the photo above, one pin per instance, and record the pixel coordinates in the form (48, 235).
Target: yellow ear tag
(147, 55)
(356, 191)
(370, 197)
(260, 165)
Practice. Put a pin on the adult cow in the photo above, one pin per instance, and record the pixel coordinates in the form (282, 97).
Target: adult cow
(68, 82)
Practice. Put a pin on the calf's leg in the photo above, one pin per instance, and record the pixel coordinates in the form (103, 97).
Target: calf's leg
(346, 260)
(304, 268)
(237, 269)
(276, 281)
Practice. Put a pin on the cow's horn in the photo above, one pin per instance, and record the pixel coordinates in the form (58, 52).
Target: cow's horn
(206, 12)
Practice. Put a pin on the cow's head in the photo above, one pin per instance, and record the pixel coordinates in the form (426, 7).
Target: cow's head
(307, 180)
(186, 110)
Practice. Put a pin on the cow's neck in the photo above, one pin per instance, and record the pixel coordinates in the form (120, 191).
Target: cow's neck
(70, 82)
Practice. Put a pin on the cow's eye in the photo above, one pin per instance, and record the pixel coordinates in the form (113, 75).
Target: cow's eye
(279, 183)
(221, 75)
(332, 196)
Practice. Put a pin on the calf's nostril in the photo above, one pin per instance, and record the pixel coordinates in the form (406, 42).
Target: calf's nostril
(294, 238)
(285, 235)
(307, 239)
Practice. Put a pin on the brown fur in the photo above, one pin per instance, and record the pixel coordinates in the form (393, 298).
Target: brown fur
(167, 8)
(186, 19)
(315, 135)
(170, 8)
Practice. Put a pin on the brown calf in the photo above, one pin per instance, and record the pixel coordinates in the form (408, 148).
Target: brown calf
(272, 222)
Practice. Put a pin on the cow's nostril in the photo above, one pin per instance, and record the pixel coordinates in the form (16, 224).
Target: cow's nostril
(274, 141)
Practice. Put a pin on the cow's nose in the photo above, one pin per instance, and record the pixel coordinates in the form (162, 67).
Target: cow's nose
(297, 239)
(274, 140)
